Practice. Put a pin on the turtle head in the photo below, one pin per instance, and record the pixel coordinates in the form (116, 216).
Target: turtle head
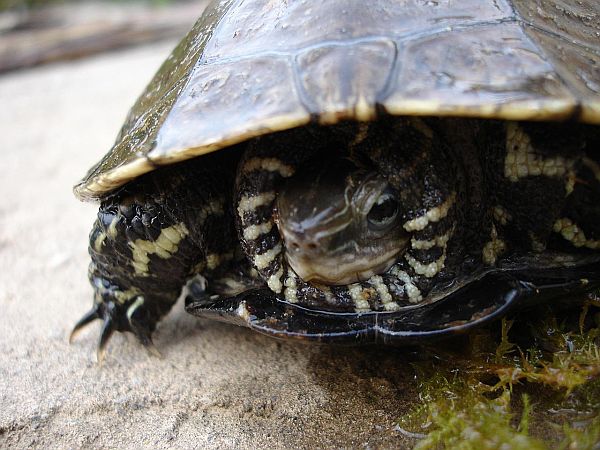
(340, 223)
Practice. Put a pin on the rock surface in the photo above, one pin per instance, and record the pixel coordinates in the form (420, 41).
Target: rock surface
(216, 386)
(61, 32)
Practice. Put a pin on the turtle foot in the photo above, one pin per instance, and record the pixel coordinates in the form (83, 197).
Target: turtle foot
(129, 317)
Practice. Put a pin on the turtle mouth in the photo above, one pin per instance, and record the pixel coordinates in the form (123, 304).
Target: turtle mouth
(338, 270)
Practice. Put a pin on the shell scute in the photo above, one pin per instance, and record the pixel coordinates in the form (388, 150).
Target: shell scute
(253, 67)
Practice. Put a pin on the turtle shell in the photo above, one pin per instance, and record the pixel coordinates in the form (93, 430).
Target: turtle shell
(487, 298)
(253, 67)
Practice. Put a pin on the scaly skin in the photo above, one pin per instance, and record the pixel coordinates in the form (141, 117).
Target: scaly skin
(472, 194)
(153, 235)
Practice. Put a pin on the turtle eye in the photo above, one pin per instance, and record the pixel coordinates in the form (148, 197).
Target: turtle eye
(384, 212)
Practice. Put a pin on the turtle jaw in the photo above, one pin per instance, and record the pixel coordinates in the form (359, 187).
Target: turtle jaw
(340, 269)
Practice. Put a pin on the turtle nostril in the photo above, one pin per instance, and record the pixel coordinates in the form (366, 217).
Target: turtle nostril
(298, 247)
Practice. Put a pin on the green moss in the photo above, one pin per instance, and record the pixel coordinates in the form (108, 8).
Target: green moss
(458, 415)
(516, 385)
(583, 436)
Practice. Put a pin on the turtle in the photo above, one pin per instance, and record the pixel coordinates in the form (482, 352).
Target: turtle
(355, 172)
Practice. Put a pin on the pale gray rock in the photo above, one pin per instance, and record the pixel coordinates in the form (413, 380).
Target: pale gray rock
(216, 386)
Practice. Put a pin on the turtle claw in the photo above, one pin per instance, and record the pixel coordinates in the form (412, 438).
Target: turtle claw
(153, 350)
(87, 318)
(131, 316)
(144, 337)
(107, 330)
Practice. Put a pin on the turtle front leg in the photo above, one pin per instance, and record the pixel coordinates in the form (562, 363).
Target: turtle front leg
(120, 309)
(150, 238)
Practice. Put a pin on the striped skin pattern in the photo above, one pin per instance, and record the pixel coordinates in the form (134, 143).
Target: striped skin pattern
(548, 189)
(471, 194)
(428, 210)
(153, 235)
(455, 202)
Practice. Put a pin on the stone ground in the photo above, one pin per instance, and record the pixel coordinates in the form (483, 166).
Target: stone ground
(216, 386)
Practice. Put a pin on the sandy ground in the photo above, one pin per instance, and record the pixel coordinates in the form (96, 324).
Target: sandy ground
(216, 386)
